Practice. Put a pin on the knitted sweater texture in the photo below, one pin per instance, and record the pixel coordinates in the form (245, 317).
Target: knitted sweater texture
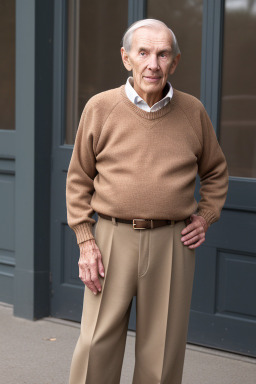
(128, 163)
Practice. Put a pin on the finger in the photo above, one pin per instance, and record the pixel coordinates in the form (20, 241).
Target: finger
(101, 266)
(94, 275)
(96, 283)
(196, 245)
(82, 270)
(82, 264)
(82, 274)
(194, 239)
(193, 233)
(190, 228)
(87, 275)
(89, 283)
(92, 287)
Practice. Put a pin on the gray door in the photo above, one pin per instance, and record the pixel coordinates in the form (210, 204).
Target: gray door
(223, 310)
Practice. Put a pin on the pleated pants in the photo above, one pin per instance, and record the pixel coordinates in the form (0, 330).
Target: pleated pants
(155, 266)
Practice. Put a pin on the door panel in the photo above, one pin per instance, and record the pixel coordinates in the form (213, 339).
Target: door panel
(67, 289)
(7, 209)
(223, 308)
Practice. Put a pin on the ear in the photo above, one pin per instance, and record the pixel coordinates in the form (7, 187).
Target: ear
(126, 60)
(174, 64)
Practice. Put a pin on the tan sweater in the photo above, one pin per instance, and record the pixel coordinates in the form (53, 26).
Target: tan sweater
(128, 163)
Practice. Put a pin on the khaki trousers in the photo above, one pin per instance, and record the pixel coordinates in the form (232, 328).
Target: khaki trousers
(154, 265)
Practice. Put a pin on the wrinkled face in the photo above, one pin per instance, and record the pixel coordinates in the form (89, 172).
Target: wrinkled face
(150, 59)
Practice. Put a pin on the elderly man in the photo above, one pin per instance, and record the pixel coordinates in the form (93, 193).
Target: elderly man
(136, 156)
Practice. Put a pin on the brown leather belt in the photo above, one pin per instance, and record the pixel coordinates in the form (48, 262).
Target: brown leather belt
(144, 223)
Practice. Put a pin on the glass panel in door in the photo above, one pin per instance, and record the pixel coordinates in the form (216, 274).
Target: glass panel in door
(238, 100)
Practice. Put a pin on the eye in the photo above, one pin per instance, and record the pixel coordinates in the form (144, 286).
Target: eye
(142, 53)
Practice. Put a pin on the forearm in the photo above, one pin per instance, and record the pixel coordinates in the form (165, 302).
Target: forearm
(213, 172)
(213, 193)
(80, 184)
(78, 198)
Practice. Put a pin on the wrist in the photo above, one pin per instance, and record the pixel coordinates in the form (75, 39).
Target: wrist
(204, 222)
(88, 244)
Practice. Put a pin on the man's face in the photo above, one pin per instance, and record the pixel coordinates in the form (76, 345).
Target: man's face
(150, 59)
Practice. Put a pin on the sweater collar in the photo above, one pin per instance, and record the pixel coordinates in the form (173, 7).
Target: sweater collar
(144, 114)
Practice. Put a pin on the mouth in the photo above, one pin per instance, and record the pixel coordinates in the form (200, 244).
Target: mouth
(152, 79)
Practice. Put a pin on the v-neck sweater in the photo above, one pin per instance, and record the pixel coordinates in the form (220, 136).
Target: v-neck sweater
(128, 163)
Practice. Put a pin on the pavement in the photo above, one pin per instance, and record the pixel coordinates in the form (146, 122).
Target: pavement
(40, 352)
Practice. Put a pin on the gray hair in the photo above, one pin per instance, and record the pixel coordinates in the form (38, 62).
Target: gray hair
(127, 38)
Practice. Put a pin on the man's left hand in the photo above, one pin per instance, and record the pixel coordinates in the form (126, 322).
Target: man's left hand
(194, 233)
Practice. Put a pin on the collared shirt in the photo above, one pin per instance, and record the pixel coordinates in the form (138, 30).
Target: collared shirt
(137, 100)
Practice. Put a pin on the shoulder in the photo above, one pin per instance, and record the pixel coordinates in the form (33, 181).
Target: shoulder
(195, 113)
(104, 101)
(186, 101)
(192, 107)
(97, 110)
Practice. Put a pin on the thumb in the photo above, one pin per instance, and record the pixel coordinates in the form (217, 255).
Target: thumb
(101, 267)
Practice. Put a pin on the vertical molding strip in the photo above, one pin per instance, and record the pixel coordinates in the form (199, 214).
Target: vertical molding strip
(72, 68)
(25, 159)
(137, 10)
(59, 70)
(211, 63)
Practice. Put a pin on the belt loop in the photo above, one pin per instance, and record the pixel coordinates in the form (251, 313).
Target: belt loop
(114, 221)
(152, 224)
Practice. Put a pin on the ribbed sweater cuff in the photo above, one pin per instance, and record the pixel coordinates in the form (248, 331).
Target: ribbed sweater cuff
(83, 232)
(209, 216)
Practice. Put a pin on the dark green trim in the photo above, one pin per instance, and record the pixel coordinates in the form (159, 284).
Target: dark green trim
(60, 68)
(24, 182)
(43, 139)
(34, 26)
(137, 10)
(212, 41)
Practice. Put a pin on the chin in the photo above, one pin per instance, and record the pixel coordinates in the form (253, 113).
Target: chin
(155, 87)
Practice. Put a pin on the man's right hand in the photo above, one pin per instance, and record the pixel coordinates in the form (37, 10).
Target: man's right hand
(90, 265)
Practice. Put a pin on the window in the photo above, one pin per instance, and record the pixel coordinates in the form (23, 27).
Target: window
(184, 17)
(94, 64)
(238, 102)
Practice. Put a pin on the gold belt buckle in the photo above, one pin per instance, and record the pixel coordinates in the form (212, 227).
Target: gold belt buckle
(134, 224)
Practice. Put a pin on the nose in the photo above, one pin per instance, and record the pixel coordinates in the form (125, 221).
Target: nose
(153, 63)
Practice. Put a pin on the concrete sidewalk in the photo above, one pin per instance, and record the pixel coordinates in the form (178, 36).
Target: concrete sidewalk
(40, 352)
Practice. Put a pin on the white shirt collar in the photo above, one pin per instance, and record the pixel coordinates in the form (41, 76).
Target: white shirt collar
(137, 100)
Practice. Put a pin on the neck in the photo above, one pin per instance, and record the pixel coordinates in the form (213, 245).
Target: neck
(152, 98)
